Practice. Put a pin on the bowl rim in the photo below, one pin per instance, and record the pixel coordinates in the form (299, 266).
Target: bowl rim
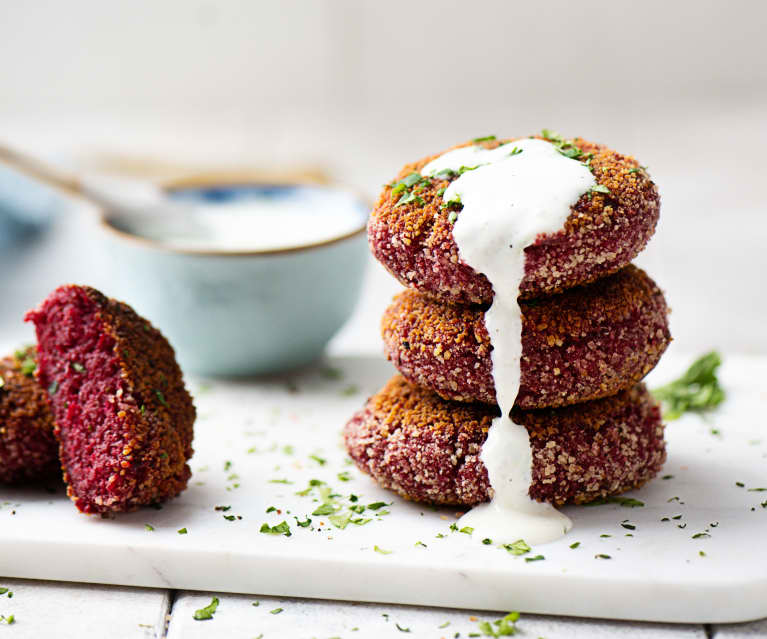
(240, 178)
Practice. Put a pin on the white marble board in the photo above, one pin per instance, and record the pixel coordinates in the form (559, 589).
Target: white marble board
(268, 429)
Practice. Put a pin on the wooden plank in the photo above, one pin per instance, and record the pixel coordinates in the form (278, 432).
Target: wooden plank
(754, 630)
(237, 615)
(58, 609)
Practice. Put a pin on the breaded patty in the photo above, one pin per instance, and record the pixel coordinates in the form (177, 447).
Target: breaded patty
(410, 232)
(427, 449)
(586, 343)
(124, 418)
(28, 449)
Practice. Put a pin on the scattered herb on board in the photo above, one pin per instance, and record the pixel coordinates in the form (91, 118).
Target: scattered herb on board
(534, 558)
(519, 547)
(486, 138)
(626, 502)
(280, 529)
(504, 627)
(382, 551)
(148, 527)
(602, 556)
(320, 460)
(696, 390)
(401, 629)
(207, 612)
(276, 611)
(575, 544)
(182, 531)
(9, 620)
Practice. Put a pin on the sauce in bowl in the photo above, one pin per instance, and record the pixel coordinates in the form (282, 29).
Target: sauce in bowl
(243, 218)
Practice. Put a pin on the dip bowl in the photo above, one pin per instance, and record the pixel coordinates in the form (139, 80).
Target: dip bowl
(229, 310)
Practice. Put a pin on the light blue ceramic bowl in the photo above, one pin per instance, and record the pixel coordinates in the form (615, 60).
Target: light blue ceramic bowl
(243, 313)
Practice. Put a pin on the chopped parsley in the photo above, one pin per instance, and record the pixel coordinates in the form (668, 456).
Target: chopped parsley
(182, 531)
(700, 535)
(602, 556)
(344, 476)
(466, 530)
(486, 138)
(575, 544)
(324, 509)
(377, 504)
(223, 509)
(401, 629)
(302, 524)
(321, 461)
(276, 611)
(380, 550)
(627, 502)
(161, 397)
(207, 612)
(535, 558)
(505, 627)
(148, 527)
(421, 544)
(565, 147)
(696, 390)
(600, 188)
(452, 217)
(487, 541)
(519, 547)
(280, 529)
(9, 620)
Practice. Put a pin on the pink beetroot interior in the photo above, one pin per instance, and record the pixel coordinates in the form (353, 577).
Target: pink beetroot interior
(79, 367)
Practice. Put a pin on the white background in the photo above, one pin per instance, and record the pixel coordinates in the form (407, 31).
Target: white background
(359, 88)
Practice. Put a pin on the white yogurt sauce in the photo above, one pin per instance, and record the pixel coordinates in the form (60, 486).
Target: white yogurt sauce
(252, 223)
(507, 202)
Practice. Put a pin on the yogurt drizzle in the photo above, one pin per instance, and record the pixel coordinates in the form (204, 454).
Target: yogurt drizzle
(518, 191)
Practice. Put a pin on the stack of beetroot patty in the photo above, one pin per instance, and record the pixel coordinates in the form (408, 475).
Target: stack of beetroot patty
(102, 398)
(593, 325)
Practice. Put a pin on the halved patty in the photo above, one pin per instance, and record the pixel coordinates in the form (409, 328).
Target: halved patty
(604, 232)
(124, 419)
(586, 343)
(427, 449)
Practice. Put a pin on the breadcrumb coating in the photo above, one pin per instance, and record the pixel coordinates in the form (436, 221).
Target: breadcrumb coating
(28, 449)
(586, 343)
(427, 449)
(604, 233)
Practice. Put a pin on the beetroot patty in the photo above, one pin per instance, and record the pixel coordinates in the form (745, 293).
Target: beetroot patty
(427, 449)
(123, 416)
(28, 449)
(586, 343)
(604, 232)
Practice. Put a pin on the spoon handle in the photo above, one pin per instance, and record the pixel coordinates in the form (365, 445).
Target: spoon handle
(41, 171)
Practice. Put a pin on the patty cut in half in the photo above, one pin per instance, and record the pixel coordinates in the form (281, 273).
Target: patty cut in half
(586, 343)
(28, 449)
(124, 419)
(427, 449)
(413, 239)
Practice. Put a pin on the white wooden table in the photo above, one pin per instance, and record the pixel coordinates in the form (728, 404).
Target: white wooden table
(54, 609)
